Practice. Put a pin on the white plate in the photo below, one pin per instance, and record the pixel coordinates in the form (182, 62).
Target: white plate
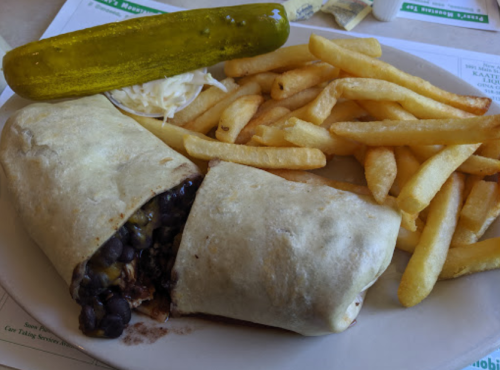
(458, 324)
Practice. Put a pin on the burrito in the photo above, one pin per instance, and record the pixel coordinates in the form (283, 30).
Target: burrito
(259, 248)
(105, 200)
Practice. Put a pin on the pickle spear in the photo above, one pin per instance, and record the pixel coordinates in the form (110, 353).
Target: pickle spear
(138, 50)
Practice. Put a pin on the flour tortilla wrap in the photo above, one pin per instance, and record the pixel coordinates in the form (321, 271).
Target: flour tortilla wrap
(77, 170)
(263, 249)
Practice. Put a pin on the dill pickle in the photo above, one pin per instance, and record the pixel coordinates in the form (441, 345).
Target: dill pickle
(138, 50)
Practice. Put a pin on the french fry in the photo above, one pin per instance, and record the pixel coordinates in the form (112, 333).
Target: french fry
(300, 113)
(463, 236)
(293, 56)
(236, 116)
(470, 181)
(310, 178)
(344, 74)
(363, 66)
(478, 204)
(210, 118)
(380, 171)
(262, 157)
(421, 132)
(407, 240)
(367, 46)
(481, 166)
(252, 142)
(296, 80)
(264, 119)
(270, 136)
(473, 222)
(293, 102)
(264, 79)
(386, 110)
(429, 256)
(378, 90)
(432, 174)
(344, 111)
(360, 154)
(204, 101)
(407, 165)
(307, 135)
(491, 149)
(171, 135)
(469, 259)
(424, 152)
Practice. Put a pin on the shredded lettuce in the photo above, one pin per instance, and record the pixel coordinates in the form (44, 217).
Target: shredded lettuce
(165, 96)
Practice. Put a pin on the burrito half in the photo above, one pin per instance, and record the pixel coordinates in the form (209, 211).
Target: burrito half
(259, 248)
(104, 199)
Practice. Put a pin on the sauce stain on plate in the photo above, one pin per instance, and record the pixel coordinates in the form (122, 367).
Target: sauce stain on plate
(142, 333)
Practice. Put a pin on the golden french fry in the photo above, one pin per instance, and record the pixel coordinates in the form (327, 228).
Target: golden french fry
(296, 80)
(262, 157)
(203, 102)
(360, 154)
(252, 142)
(344, 111)
(470, 181)
(380, 171)
(407, 165)
(367, 46)
(464, 234)
(429, 256)
(307, 135)
(364, 66)
(424, 152)
(210, 118)
(300, 113)
(264, 119)
(293, 56)
(264, 79)
(478, 204)
(270, 136)
(386, 110)
(469, 259)
(407, 240)
(482, 166)
(379, 90)
(293, 102)
(491, 149)
(344, 74)
(310, 178)
(409, 221)
(448, 131)
(432, 174)
(171, 135)
(236, 116)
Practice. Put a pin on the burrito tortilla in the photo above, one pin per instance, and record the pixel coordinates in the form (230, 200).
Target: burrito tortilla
(259, 248)
(105, 200)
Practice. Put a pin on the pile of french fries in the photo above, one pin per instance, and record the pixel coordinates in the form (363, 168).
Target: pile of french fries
(429, 152)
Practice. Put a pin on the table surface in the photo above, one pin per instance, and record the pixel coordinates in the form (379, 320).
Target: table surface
(22, 21)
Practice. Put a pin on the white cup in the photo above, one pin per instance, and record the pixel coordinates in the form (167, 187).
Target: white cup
(386, 10)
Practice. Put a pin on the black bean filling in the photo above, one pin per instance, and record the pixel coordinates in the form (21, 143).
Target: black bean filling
(145, 243)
